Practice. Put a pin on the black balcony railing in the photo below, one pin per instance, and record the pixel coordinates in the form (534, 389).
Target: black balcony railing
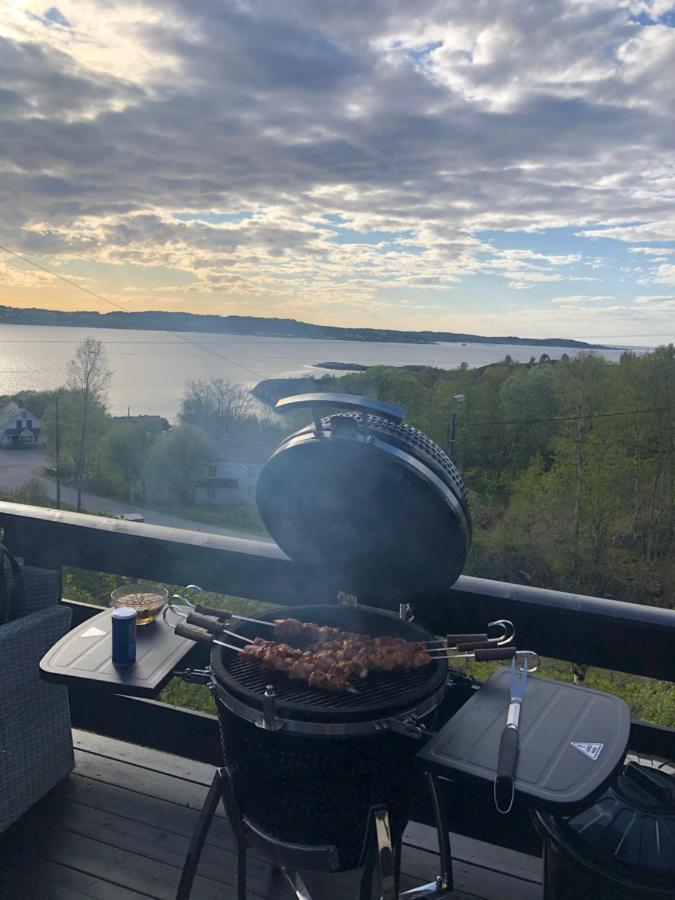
(626, 637)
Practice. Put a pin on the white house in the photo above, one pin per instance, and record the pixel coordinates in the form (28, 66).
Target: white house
(233, 479)
(19, 427)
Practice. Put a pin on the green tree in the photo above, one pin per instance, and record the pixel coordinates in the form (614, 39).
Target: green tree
(527, 399)
(122, 453)
(175, 461)
(88, 380)
(70, 429)
(216, 406)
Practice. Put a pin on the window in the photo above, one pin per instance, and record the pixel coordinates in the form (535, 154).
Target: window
(19, 423)
(29, 423)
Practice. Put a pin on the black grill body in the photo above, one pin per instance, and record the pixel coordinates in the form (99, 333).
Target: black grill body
(318, 790)
(375, 502)
(316, 785)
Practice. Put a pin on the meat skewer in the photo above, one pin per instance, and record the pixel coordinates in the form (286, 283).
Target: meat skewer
(326, 673)
(308, 633)
(297, 664)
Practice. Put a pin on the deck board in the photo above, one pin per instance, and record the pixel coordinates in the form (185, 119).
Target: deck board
(118, 829)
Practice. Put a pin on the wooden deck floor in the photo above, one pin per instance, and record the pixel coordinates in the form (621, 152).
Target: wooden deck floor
(118, 829)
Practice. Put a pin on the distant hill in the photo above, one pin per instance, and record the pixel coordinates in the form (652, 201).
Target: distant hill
(287, 328)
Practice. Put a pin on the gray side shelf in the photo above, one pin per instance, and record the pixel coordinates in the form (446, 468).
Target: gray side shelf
(552, 772)
(84, 655)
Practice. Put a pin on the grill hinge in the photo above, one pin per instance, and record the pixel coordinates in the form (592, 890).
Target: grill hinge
(195, 676)
(409, 726)
(269, 719)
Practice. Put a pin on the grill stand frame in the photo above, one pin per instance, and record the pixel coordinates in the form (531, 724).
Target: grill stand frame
(381, 858)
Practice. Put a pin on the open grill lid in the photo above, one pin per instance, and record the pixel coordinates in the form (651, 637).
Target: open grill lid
(368, 498)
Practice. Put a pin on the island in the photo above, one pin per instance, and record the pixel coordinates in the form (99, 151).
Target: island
(159, 320)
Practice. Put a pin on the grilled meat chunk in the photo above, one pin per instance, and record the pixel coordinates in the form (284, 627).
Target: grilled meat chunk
(336, 657)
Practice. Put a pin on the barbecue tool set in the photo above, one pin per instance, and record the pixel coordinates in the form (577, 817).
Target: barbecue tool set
(328, 712)
(328, 647)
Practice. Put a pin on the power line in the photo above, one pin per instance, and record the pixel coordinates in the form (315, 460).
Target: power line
(120, 308)
(630, 412)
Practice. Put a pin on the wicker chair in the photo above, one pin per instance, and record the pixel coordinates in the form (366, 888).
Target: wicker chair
(36, 746)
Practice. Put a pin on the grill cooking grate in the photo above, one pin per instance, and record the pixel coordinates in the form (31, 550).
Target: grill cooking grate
(381, 686)
(378, 696)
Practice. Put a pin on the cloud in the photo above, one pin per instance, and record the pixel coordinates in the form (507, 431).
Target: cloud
(652, 251)
(665, 274)
(663, 230)
(581, 298)
(429, 124)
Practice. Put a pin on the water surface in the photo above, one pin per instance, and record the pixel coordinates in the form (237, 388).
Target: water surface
(150, 368)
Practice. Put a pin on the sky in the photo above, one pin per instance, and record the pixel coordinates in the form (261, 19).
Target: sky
(503, 167)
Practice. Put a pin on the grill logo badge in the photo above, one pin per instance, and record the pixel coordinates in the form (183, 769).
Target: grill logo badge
(591, 750)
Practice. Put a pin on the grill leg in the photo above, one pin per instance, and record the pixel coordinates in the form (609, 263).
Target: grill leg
(199, 836)
(445, 856)
(241, 870)
(234, 816)
(382, 858)
(442, 886)
(296, 883)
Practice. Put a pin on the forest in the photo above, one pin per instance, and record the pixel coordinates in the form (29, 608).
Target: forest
(570, 465)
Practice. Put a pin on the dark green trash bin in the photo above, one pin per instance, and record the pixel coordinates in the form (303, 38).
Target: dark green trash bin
(622, 847)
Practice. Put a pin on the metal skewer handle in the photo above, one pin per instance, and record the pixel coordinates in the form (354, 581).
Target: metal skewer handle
(492, 655)
(201, 636)
(483, 639)
(225, 615)
(213, 626)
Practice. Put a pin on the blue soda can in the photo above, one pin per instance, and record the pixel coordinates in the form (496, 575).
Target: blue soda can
(124, 636)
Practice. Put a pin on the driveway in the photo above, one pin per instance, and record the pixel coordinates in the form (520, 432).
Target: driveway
(17, 467)
(103, 506)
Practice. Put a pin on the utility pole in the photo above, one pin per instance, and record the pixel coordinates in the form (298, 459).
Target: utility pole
(452, 430)
(452, 434)
(58, 454)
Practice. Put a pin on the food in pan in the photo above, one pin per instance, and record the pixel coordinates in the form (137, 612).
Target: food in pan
(147, 599)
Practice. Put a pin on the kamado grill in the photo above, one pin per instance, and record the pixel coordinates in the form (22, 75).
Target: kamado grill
(323, 778)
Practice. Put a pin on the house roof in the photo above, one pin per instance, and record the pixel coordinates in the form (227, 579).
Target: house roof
(246, 451)
(8, 411)
(151, 420)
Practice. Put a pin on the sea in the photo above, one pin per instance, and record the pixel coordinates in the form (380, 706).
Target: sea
(150, 368)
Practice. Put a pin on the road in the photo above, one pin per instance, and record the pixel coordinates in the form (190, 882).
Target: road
(17, 467)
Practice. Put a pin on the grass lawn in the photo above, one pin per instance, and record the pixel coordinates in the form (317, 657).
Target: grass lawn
(649, 699)
(240, 518)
